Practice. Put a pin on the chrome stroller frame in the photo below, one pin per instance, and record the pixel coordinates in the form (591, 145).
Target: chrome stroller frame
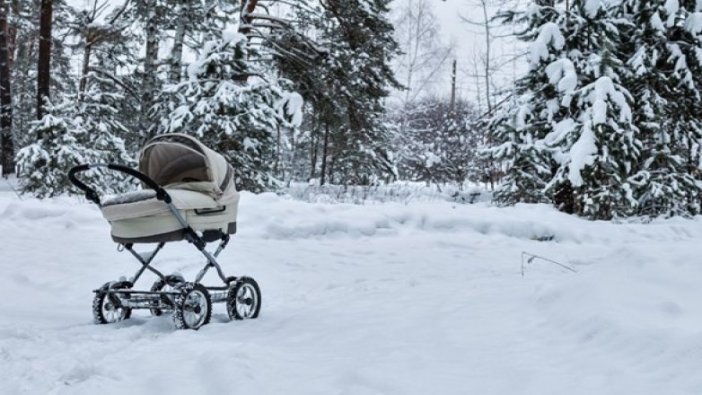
(190, 302)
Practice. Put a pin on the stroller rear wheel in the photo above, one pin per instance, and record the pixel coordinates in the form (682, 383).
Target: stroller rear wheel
(244, 299)
(193, 307)
(171, 283)
(107, 308)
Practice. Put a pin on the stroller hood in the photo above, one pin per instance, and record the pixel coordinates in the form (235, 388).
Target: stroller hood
(180, 161)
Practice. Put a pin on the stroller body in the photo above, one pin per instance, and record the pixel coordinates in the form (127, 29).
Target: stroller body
(191, 196)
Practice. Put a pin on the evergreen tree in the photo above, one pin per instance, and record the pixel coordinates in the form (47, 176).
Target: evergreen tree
(80, 130)
(96, 116)
(345, 75)
(517, 133)
(24, 63)
(439, 143)
(596, 143)
(108, 76)
(43, 165)
(362, 47)
(665, 79)
(237, 119)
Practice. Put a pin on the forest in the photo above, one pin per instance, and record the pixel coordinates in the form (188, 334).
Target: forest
(603, 122)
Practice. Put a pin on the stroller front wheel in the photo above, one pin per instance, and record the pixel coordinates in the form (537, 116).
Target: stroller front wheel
(244, 299)
(193, 307)
(107, 306)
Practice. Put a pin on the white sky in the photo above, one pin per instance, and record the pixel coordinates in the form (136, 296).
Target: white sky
(469, 42)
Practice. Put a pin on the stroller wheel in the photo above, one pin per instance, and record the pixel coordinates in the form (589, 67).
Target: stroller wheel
(193, 307)
(244, 299)
(170, 284)
(107, 308)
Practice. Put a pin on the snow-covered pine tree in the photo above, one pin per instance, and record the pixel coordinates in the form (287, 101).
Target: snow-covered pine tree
(109, 45)
(361, 46)
(82, 129)
(236, 118)
(44, 164)
(439, 143)
(596, 141)
(665, 79)
(96, 117)
(25, 32)
(515, 135)
(342, 69)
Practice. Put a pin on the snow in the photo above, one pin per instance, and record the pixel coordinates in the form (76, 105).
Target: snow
(582, 154)
(656, 22)
(605, 91)
(561, 130)
(380, 299)
(592, 8)
(672, 7)
(562, 74)
(232, 36)
(292, 104)
(549, 36)
(693, 23)
(128, 197)
(431, 159)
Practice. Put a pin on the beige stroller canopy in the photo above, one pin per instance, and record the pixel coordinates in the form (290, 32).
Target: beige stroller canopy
(180, 161)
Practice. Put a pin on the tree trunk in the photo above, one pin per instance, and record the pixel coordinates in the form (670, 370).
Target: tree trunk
(7, 151)
(313, 153)
(150, 64)
(277, 168)
(44, 65)
(86, 64)
(324, 154)
(453, 86)
(12, 33)
(245, 19)
(177, 53)
(332, 163)
(488, 60)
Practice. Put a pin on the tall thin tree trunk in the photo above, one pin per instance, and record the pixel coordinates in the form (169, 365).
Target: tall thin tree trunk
(410, 56)
(12, 33)
(313, 153)
(245, 20)
(150, 64)
(488, 60)
(324, 154)
(278, 156)
(44, 64)
(332, 162)
(247, 8)
(453, 86)
(86, 64)
(177, 53)
(7, 150)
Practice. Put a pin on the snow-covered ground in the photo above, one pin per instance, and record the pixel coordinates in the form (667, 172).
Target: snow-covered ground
(425, 298)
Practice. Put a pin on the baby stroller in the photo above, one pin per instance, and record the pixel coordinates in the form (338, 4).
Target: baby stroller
(191, 196)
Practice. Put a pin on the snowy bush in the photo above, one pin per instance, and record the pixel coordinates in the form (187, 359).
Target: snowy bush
(69, 135)
(403, 192)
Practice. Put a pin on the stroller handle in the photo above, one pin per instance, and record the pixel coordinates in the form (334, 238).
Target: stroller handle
(93, 196)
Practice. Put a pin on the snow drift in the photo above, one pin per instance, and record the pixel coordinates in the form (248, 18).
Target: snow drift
(375, 299)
